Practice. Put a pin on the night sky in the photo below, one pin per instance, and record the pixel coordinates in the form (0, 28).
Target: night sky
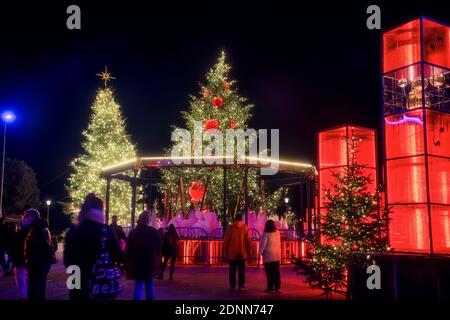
(305, 68)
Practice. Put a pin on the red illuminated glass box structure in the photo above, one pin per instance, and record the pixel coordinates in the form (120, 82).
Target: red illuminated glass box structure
(333, 156)
(416, 78)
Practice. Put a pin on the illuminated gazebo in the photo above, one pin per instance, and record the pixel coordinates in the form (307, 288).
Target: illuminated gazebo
(194, 249)
(289, 173)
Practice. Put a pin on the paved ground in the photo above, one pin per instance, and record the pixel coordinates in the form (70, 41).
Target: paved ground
(190, 283)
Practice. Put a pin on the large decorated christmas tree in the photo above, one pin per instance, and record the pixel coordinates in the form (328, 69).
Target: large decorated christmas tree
(218, 106)
(105, 142)
(355, 220)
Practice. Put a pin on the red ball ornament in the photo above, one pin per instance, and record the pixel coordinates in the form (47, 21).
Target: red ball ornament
(226, 85)
(211, 124)
(196, 191)
(233, 125)
(218, 102)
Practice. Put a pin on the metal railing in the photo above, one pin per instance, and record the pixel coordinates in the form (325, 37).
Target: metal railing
(291, 234)
(217, 234)
(196, 251)
(197, 246)
(192, 233)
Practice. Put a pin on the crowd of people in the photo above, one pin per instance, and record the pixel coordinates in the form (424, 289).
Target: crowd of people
(31, 253)
(104, 253)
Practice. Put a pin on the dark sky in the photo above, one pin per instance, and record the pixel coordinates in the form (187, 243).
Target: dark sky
(305, 67)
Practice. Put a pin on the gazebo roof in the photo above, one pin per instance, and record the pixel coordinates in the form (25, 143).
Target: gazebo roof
(164, 162)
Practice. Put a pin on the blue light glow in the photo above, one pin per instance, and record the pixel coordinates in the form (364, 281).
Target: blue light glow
(8, 116)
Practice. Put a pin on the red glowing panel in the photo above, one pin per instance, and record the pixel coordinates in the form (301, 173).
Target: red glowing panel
(406, 180)
(366, 147)
(440, 223)
(326, 180)
(409, 73)
(372, 173)
(401, 46)
(439, 178)
(430, 70)
(332, 148)
(438, 133)
(404, 134)
(408, 230)
(436, 43)
(323, 213)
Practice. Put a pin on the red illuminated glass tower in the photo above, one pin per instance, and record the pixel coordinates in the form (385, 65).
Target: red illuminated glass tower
(416, 77)
(333, 156)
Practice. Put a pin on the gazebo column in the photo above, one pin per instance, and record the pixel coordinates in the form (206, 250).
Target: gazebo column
(246, 195)
(303, 215)
(224, 214)
(108, 193)
(133, 199)
(150, 188)
(309, 203)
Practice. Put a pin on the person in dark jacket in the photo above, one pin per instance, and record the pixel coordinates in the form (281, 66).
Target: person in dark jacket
(143, 256)
(117, 229)
(18, 260)
(4, 246)
(83, 244)
(55, 243)
(161, 233)
(38, 254)
(170, 250)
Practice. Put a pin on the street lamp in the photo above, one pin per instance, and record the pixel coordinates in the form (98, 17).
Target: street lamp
(7, 117)
(48, 202)
(286, 201)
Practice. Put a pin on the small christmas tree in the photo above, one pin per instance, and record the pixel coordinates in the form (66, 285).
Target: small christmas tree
(218, 106)
(106, 142)
(354, 221)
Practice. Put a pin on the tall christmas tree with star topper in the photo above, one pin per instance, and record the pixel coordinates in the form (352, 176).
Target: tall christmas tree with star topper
(105, 142)
(218, 106)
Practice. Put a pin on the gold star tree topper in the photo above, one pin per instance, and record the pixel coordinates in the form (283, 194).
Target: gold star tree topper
(106, 76)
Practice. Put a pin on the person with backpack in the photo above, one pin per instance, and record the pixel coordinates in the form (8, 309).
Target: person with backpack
(38, 254)
(170, 251)
(236, 246)
(143, 256)
(270, 250)
(92, 246)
